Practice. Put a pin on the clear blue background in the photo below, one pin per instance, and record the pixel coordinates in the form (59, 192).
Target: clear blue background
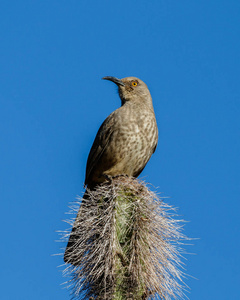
(52, 57)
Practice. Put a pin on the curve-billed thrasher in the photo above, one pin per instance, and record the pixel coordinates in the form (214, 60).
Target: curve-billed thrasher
(124, 142)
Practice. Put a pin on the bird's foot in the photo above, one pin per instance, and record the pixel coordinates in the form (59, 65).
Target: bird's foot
(120, 175)
(108, 178)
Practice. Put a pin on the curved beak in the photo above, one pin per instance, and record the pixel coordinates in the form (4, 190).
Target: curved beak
(114, 79)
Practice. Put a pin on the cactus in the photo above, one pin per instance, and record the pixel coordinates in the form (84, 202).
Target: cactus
(128, 245)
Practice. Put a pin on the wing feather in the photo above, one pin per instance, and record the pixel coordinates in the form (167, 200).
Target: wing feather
(99, 145)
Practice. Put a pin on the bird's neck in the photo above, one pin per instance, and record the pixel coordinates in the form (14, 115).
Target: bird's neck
(138, 102)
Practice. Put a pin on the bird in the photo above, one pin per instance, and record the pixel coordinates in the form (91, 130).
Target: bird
(124, 142)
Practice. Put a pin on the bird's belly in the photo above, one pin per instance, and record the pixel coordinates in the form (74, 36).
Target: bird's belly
(128, 149)
(128, 153)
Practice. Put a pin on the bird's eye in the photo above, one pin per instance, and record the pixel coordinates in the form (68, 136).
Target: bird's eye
(134, 83)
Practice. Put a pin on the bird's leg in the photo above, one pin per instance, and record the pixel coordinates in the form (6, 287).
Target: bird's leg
(109, 178)
(120, 175)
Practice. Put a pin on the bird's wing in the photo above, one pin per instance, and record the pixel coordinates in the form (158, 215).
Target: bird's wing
(155, 147)
(99, 145)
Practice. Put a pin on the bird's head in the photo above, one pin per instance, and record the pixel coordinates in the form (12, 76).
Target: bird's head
(131, 89)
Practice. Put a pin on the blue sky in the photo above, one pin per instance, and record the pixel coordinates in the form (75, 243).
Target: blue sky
(52, 102)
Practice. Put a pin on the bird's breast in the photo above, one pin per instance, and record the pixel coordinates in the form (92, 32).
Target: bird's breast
(132, 143)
